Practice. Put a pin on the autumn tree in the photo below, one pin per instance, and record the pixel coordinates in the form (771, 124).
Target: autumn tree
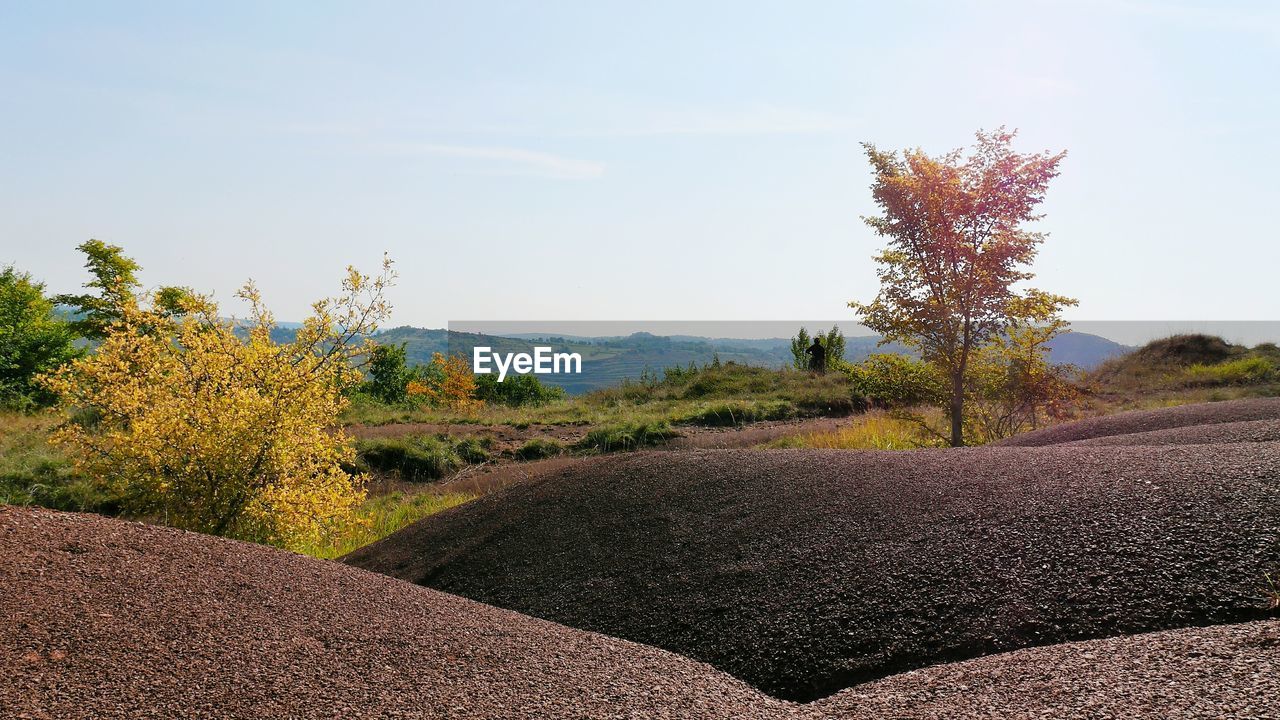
(958, 243)
(210, 425)
(448, 382)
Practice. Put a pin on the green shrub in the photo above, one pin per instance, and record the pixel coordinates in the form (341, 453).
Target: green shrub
(516, 391)
(388, 372)
(896, 381)
(539, 449)
(627, 436)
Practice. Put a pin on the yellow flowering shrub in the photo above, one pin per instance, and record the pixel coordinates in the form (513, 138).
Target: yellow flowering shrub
(212, 426)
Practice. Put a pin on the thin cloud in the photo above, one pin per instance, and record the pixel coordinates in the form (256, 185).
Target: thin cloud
(508, 160)
(767, 120)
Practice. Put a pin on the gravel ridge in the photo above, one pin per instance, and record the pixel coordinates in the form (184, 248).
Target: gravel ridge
(1227, 432)
(1137, 421)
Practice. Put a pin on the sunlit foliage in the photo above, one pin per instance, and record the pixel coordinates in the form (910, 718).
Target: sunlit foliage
(209, 425)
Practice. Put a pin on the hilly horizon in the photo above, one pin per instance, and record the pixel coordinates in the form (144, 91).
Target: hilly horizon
(608, 360)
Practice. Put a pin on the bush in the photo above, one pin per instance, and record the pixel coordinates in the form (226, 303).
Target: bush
(473, 451)
(516, 391)
(896, 381)
(627, 436)
(33, 341)
(215, 427)
(389, 373)
(539, 449)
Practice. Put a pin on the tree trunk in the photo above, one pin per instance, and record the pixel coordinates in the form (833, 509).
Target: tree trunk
(957, 409)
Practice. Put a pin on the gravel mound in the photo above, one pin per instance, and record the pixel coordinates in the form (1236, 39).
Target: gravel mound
(106, 619)
(1229, 671)
(1227, 432)
(805, 572)
(1137, 421)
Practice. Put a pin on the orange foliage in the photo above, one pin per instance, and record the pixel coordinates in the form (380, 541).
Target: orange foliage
(456, 387)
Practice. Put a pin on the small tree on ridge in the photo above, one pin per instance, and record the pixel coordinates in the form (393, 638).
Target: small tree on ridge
(957, 245)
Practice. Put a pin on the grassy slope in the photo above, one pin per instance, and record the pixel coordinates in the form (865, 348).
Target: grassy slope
(727, 395)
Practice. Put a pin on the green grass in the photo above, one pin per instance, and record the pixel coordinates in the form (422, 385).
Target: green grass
(33, 472)
(380, 516)
(1242, 371)
(626, 436)
(419, 458)
(740, 412)
(539, 449)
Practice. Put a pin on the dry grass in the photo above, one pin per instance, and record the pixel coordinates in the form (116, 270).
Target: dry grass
(380, 516)
(873, 431)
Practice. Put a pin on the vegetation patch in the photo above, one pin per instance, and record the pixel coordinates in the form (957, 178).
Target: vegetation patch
(627, 436)
(379, 517)
(1242, 371)
(539, 449)
(419, 458)
(873, 431)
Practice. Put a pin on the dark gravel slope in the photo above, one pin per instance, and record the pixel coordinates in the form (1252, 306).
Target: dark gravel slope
(804, 572)
(105, 619)
(1146, 420)
(1227, 432)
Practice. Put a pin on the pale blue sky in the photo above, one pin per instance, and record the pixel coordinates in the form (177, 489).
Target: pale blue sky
(622, 160)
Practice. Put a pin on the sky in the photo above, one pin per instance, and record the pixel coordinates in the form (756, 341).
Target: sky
(623, 161)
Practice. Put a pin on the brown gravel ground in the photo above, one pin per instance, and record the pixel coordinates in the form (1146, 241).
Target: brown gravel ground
(106, 619)
(805, 572)
(1147, 420)
(1230, 671)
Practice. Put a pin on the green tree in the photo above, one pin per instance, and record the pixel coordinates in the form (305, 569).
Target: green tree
(389, 373)
(957, 245)
(33, 341)
(115, 285)
(799, 344)
(833, 341)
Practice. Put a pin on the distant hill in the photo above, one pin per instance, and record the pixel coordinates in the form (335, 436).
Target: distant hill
(609, 360)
